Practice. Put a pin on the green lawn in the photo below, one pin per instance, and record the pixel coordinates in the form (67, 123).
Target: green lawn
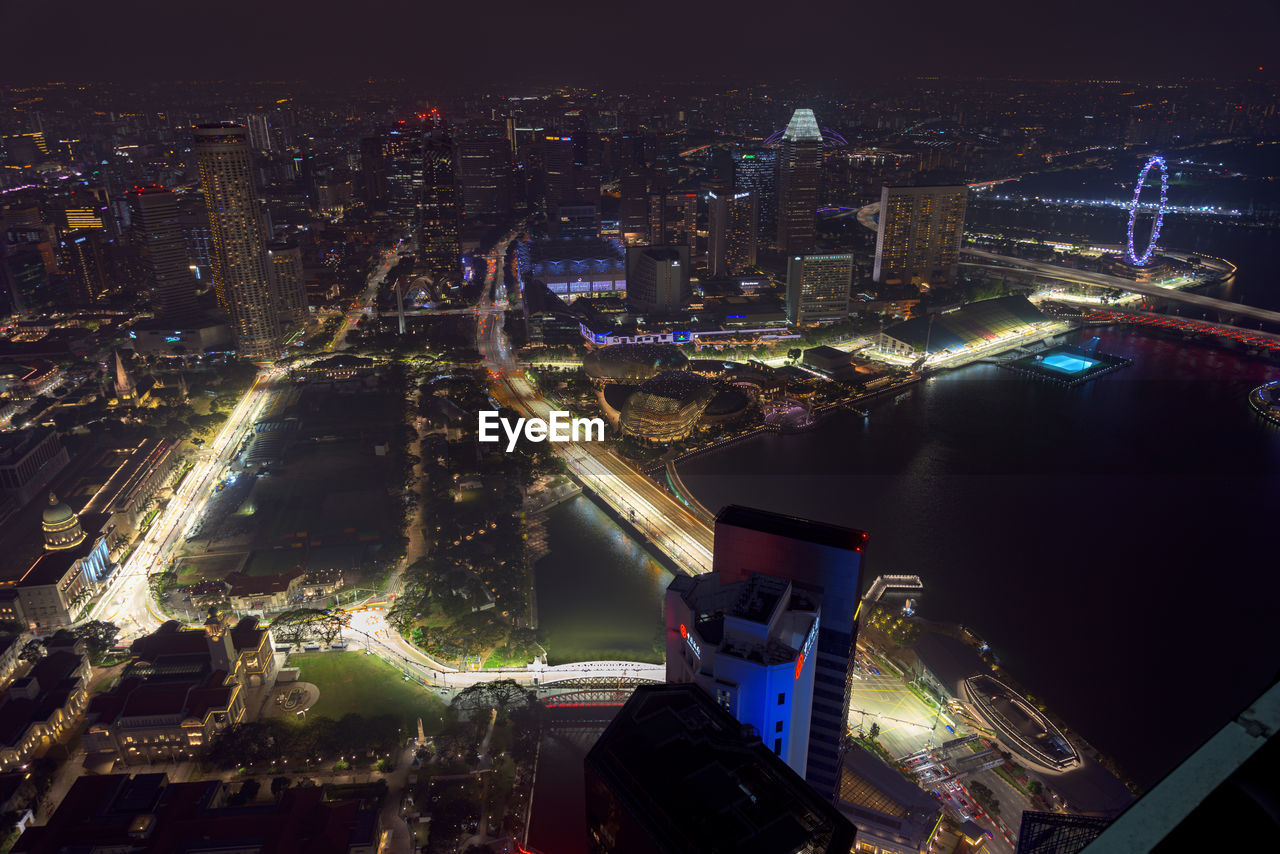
(367, 685)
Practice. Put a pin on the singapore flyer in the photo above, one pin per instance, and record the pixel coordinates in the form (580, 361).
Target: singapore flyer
(1134, 258)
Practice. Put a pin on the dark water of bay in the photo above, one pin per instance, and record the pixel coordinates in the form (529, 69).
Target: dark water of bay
(1114, 542)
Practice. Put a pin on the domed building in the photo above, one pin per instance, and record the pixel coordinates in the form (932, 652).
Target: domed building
(667, 406)
(65, 580)
(61, 526)
(632, 363)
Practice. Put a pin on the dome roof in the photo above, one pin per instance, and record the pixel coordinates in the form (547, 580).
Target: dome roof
(57, 513)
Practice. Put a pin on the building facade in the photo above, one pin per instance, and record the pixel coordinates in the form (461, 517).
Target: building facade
(818, 288)
(920, 232)
(240, 275)
(439, 248)
(658, 278)
(158, 234)
(825, 561)
(749, 645)
(799, 180)
(732, 232)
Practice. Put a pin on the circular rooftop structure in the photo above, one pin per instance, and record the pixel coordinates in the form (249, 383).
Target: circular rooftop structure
(632, 363)
(61, 526)
(667, 406)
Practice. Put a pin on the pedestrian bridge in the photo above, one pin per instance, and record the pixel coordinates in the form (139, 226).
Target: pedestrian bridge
(625, 671)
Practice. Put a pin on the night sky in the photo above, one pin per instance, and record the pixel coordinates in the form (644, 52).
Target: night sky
(458, 45)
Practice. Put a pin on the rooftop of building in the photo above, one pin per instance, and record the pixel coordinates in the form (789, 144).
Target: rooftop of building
(53, 680)
(697, 781)
(793, 527)
(878, 799)
(262, 585)
(975, 323)
(50, 567)
(148, 813)
(677, 385)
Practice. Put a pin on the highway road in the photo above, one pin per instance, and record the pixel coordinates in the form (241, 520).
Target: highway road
(1103, 280)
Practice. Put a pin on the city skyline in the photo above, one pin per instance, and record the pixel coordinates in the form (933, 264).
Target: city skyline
(780, 457)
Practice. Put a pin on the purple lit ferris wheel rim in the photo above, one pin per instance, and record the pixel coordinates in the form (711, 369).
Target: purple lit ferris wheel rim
(1134, 258)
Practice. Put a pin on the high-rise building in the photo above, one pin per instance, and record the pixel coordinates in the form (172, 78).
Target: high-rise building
(920, 233)
(373, 173)
(240, 276)
(658, 278)
(161, 244)
(573, 222)
(825, 561)
(732, 230)
(484, 175)
(818, 288)
(438, 244)
(85, 255)
(749, 645)
(558, 168)
(285, 259)
(799, 176)
(402, 156)
(633, 207)
(677, 774)
(673, 219)
(259, 131)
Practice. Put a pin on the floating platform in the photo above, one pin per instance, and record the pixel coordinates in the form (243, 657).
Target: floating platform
(1067, 365)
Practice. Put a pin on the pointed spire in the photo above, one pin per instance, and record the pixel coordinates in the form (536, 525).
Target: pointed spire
(803, 126)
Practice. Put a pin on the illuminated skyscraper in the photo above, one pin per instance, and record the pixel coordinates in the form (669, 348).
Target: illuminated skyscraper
(438, 245)
(818, 288)
(920, 233)
(156, 227)
(402, 157)
(732, 230)
(799, 173)
(240, 275)
(825, 561)
(673, 220)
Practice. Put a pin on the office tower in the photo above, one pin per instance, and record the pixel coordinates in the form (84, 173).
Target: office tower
(240, 275)
(438, 245)
(732, 229)
(658, 278)
(818, 288)
(633, 207)
(558, 168)
(920, 233)
(749, 645)
(573, 222)
(484, 174)
(373, 173)
(403, 154)
(675, 773)
(259, 131)
(673, 219)
(285, 261)
(826, 561)
(799, 174)
(161, 245)
(86, 261)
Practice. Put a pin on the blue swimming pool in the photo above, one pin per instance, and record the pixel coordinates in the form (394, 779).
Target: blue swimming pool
(1068, 363)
